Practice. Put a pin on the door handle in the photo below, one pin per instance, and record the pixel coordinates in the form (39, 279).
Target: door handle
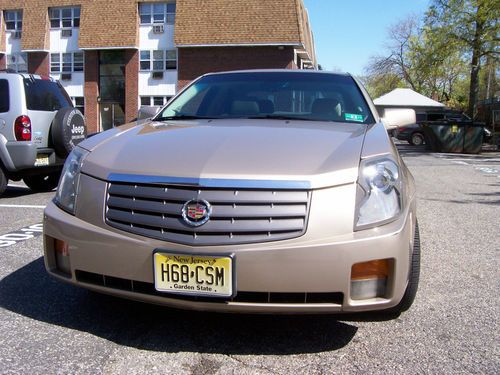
(2, 123)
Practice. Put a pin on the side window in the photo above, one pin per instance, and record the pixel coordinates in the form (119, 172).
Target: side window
(435, 116)
(44, 95)
(421, 117)
(4, 96)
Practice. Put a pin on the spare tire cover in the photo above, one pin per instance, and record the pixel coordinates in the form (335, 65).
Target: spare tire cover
(68, 129)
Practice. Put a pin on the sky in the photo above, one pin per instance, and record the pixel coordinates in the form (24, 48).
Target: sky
(348, 33)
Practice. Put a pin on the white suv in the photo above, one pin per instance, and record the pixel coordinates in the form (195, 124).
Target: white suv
(38, 128)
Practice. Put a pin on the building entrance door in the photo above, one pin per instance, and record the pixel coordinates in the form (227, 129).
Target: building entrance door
(112, 115)
(112, 88)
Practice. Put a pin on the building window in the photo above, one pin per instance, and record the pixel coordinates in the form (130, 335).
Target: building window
(13, 20)
(18, 62)
(150, 13)
(78, 62)
(158, 60)
(66, 62)
(171, 59)
(154, 100)
(64, 17)
(79, 103)
(145, 60)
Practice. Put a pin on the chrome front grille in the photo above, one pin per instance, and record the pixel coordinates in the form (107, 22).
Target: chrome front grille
(238, 216)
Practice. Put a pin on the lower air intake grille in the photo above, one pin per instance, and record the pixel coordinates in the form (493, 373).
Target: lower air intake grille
(242, 297)
(237, 217)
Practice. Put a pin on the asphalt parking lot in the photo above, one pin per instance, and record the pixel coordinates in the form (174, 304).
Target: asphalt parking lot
(453, 327)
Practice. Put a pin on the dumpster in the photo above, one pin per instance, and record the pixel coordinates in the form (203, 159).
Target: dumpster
(454, 136)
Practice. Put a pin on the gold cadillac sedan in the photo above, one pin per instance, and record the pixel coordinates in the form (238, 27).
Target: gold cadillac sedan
(267, 191)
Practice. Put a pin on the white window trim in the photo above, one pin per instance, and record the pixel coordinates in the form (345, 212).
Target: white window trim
(151, 100)
(18, 18)
(151, 60)
(60, 71)
(73, 99)
(60, 18)
(150, 12)
(16, 64)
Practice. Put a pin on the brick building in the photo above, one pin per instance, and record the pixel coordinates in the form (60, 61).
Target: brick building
(113, 56)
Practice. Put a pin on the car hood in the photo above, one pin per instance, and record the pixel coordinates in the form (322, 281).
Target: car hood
(318, 154)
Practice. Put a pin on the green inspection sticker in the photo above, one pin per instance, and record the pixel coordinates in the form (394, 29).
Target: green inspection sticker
(353, 117)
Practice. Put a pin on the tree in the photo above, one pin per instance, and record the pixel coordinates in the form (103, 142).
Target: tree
(396, 63)
(380, 84)
(419, 58)
(472, 25)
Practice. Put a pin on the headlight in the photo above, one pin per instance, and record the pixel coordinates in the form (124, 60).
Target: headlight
(70, 177)
(379, 185)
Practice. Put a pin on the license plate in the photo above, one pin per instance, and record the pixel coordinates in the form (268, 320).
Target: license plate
(194, 274)
(41, 160)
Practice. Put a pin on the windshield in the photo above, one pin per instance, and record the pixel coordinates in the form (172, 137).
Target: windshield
(45, 95)
(271, 95)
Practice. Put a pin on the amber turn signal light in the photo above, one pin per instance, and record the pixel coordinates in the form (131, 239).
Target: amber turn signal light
(61, 247)
(375, 269)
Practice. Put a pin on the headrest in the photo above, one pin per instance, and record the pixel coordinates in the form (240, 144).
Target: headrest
(244, 107)
(325, 106)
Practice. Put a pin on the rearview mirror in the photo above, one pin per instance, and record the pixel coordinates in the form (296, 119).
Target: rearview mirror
(396, 117)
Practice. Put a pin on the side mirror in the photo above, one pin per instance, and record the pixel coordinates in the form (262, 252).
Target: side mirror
(395, 117)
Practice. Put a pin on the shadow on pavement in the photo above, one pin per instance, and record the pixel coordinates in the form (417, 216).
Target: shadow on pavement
(31, 292)
(17, 191)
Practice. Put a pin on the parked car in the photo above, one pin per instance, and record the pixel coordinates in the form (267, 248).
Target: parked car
(38, 129)
(255, 191)
(413, 134)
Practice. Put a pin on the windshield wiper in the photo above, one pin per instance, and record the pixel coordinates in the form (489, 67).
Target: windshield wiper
(182, 117)
(283, 117)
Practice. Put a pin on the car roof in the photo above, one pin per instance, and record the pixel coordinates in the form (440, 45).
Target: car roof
(288, 71)
(26, 75)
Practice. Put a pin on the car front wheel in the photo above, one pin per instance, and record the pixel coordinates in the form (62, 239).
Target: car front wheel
(42, 183)
(417, 139)
(413, 278)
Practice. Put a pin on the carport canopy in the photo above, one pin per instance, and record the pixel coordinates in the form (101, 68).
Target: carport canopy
(406, 98)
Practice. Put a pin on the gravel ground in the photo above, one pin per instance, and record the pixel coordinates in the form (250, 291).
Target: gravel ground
(49, 327)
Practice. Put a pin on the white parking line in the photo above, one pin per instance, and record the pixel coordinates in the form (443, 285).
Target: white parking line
(22, 234)
(21, 206)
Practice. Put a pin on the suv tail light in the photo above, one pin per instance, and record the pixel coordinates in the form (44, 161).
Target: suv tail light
(22, 128)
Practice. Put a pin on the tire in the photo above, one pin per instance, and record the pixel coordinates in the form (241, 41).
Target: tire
(42, 183)
(413, 278)
(3, 180)
(416, 139)
(67, 130)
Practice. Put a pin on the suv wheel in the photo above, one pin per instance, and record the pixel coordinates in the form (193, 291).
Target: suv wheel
(3, 180)
(42, 183)
(417, 139)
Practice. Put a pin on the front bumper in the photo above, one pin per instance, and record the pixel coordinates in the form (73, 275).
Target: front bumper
(111, 261)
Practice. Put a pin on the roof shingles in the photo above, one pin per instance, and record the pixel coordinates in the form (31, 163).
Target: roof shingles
(235, 22)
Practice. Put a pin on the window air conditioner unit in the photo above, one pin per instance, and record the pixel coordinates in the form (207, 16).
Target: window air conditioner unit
(158, 28)
(16, 35)
(66, 77)
(157, 75)
(66, 33)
